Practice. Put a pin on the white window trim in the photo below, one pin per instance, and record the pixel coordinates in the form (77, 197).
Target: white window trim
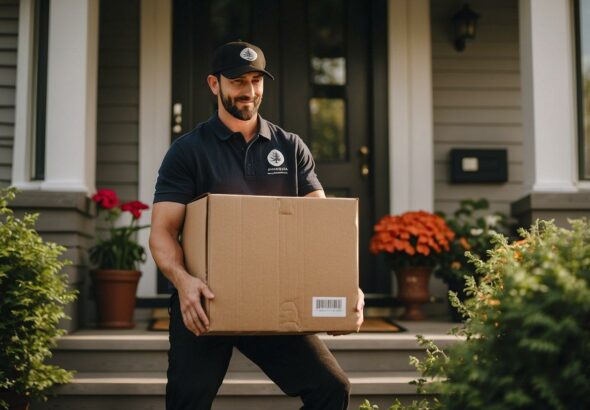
(581, 184)
(23, 143)
(77, 97)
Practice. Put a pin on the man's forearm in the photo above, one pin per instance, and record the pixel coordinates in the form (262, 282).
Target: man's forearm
(169, 257)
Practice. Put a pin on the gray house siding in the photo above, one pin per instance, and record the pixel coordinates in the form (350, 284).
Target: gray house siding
(118, 98)
(8, 46)
(476, 98)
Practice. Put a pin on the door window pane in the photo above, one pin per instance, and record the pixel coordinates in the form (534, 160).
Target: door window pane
(584, 86)
(327, 128)
(328, 70)
(326, 29)
(230, 21)
(327, 104)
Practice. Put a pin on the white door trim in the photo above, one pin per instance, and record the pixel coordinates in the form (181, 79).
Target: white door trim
(411, 142)
(155, 95)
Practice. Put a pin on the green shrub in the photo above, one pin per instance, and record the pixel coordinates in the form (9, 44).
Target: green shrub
(33, 293)
(527, 328)
(474, 226)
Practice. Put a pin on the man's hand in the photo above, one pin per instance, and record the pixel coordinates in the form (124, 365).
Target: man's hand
(193, 314)
(360, 305)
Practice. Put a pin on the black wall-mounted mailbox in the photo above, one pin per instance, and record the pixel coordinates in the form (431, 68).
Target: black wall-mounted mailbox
(479, 165)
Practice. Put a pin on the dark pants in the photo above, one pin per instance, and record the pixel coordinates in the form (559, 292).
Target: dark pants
(301, 365)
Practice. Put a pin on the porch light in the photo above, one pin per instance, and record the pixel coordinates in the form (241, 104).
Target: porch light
(465, 25)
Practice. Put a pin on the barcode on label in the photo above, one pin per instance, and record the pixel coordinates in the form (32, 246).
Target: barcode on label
(328, 307)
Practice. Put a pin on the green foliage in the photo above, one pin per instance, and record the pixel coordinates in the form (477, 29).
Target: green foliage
(119, 250)
(397, 405)
(474, 227)
(527, 328)
(33, 292)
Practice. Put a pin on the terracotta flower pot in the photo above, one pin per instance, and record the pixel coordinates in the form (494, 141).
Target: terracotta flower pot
(15, 401)
(413, 290)
(115, 292)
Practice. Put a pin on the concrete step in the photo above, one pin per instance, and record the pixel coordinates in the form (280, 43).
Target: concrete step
(240, 390)
(96, 351)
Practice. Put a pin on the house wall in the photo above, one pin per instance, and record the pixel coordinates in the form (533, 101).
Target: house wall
(118, 98)
(476, 99)
(9, 10)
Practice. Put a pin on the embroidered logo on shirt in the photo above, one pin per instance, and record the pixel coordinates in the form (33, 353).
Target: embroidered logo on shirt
(248, 54)
(275, 158)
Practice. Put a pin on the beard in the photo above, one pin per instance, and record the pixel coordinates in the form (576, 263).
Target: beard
(244, 114)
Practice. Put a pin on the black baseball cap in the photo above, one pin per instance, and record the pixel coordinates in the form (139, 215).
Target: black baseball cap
(237, 58)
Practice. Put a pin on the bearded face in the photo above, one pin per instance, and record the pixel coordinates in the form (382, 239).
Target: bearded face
(242, 107)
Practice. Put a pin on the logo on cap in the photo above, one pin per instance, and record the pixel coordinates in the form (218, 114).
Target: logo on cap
(248, 54)
(275, 158)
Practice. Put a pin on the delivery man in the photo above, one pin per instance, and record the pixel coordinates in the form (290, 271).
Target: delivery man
(236, 151)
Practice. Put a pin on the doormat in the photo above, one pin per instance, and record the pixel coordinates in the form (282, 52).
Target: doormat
(161, 322)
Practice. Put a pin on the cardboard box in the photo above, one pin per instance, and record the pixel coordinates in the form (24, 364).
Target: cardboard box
(275, 264)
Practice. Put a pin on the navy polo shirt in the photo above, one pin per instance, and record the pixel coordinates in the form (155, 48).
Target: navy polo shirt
(213, 159)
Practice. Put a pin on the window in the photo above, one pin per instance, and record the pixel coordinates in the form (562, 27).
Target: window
(39, 97)
(327, 105)
(583, 66)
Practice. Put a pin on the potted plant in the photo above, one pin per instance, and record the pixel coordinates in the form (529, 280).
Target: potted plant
(475, 228)
(116, 257)
(414, 243)
(33, 292)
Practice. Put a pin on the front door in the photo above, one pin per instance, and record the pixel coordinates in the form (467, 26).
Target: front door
(324, 55)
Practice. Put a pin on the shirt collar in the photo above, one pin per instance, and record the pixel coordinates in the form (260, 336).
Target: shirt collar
(224, 133)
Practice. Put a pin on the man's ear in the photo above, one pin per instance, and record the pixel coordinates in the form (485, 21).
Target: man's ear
(213, 83)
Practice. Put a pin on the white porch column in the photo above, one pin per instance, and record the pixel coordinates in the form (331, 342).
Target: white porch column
(548, 95)
(410, 106)
(71, 96)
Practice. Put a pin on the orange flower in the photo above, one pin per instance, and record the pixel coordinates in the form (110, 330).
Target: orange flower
(411, 233)
(464, 244)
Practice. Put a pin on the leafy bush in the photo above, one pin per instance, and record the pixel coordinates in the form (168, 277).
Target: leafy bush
(474, 227)
(527, 329)
(416, 405)
(33, 293)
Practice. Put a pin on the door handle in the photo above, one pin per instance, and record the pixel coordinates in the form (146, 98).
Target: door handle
(177, 118)
(364, 154)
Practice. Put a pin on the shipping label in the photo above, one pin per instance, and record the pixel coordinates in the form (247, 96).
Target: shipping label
(328, 307)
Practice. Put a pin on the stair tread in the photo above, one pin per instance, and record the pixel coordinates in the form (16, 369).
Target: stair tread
(128, 377)
(235, 383)
(101, 340)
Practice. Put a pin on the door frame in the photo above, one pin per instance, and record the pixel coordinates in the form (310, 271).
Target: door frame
(156, 106)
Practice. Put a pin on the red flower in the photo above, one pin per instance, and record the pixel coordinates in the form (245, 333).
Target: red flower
(135, 207)
(106, 198)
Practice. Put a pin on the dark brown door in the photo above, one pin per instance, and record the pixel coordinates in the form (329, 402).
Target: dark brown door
(328, 58)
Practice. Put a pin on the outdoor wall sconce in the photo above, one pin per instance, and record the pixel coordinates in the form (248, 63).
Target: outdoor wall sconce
(465, 25)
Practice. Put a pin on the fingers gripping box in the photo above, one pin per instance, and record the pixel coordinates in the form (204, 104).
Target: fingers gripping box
(275, 264)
